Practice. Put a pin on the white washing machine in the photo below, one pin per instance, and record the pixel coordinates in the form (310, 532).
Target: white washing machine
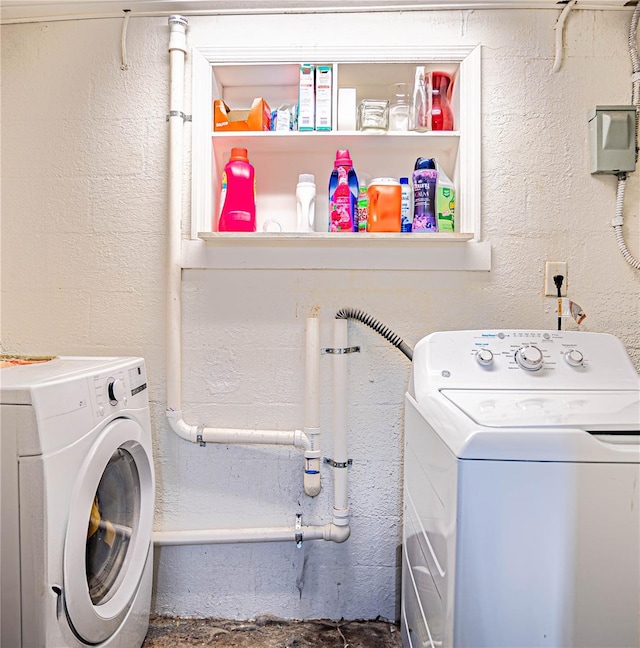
(77, 503)
(521, 509)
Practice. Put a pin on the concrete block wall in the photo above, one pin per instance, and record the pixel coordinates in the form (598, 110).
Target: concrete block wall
(84, 204)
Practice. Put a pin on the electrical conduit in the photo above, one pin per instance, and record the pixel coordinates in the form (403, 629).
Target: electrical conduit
(618, 220)
(307, 439)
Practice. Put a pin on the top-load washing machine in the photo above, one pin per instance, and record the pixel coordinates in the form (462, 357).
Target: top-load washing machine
(77, 503)
(521, 510)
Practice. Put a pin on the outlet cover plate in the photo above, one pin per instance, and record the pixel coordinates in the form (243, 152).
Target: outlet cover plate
(551, 269)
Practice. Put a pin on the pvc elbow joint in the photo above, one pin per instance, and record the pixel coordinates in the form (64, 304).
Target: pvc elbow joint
(339, 533)
(182, 429)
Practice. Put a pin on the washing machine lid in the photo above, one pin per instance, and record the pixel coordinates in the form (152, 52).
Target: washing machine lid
(594, 411)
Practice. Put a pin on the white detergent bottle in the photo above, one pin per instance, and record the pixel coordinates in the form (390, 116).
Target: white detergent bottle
(306, 203)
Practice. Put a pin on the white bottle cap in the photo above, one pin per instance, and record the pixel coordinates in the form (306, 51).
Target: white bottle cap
(306, 177)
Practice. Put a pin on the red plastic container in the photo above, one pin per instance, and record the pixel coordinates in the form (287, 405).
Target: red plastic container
(441, 112)
(238, 194)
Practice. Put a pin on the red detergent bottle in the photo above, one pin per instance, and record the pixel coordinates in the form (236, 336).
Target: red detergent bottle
(238, 194)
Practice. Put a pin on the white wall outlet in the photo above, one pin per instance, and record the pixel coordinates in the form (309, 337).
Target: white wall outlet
(551, 269)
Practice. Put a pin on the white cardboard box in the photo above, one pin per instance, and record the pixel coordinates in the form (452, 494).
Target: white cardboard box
(306, 98)
(323, 97)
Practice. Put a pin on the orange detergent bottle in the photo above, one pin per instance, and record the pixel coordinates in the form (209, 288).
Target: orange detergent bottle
(385, 205)
(238, 194)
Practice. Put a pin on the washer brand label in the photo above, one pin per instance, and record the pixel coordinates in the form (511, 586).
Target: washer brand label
(138, 389)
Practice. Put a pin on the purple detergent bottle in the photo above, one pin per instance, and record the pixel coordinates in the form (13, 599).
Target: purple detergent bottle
(425, 179)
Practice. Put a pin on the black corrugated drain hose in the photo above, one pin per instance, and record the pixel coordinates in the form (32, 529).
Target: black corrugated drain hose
(378, 327)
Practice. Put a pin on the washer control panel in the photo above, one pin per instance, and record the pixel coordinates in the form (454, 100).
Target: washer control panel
(516, 359)
(119, 389)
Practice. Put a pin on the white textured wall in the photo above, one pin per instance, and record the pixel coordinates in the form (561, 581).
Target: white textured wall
(84, 167)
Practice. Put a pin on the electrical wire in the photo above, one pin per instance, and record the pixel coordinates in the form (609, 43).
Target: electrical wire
(557, 280)
(123, 40)
(559, 29)
(378, 327)
(618, 220)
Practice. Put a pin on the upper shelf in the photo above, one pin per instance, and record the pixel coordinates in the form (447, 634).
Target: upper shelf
(315, 141)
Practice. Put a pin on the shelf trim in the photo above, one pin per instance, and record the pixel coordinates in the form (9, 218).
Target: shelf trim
(345, 251)
(342, 54)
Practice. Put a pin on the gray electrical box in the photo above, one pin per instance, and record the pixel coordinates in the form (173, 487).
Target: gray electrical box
(612, 139)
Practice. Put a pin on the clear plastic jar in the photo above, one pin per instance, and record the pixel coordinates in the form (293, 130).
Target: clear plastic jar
(400, 98)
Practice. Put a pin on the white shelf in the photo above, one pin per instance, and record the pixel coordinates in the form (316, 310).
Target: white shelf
(440, 142)
(343, 251)
(279, 158)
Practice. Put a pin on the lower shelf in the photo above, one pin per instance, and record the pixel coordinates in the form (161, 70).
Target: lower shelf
(344, 251)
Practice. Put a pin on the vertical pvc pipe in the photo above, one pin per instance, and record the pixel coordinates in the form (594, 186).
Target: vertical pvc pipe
(312, 375)
(340, 427)
(312, 483)
(177, 51)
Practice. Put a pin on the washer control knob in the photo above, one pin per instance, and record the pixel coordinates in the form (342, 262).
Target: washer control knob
(529, 358)
(484, 357)
(116, 391)
(574, 358)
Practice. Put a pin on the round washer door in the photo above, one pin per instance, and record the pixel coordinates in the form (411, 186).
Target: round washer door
(109, 532)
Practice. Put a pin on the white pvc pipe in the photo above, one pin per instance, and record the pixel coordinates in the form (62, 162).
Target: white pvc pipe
(340, 427)
(312, 483)
(338, 531)
(192, 433)
(177, 52)
(232, 536)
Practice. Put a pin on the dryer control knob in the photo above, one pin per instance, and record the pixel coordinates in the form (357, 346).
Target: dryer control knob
(574, 358)
(116, 391)
(529, 358)
(484, 357)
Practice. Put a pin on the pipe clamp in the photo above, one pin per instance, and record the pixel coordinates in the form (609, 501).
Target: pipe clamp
(338, 464)
(298, 535)
(353, 349)
(199, 437)
(178, 113)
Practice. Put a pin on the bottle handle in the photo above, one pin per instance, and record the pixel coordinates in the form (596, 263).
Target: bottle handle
(311, 214)
(373, 206)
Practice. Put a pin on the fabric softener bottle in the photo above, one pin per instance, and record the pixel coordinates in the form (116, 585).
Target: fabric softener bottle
(425, 177)
(238, 194)
(343, 194)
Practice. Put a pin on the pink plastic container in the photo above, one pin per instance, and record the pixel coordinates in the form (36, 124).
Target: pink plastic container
(238, 194)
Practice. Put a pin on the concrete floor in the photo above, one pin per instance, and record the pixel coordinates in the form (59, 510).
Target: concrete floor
(270, 632)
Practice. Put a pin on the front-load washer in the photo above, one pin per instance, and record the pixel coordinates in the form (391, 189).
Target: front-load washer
(77, 503)
(521, 503)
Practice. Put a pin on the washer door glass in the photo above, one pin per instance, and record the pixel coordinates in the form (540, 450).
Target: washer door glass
(112, 523)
